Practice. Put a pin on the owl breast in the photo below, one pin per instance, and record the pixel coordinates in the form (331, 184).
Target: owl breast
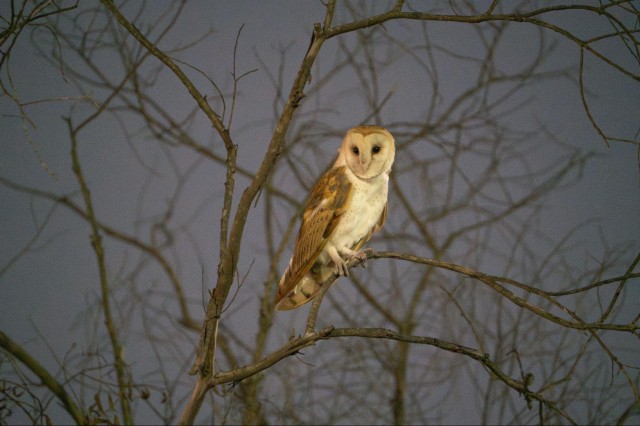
(367, 204)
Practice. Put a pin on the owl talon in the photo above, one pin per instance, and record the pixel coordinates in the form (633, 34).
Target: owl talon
(341, 269)
(361, 257)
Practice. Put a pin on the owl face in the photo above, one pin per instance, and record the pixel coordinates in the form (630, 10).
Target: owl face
(367, 151)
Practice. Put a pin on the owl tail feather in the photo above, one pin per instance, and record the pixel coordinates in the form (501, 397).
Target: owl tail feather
(306, 289)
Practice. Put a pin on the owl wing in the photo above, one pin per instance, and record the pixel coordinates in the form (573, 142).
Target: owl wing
(330, 198)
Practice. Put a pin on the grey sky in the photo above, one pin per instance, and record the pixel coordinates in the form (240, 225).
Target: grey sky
(43, 295)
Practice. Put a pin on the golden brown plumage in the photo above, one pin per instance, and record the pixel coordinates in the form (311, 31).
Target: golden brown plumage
(346, 205)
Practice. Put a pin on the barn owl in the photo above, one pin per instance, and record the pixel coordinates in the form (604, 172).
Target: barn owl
(346, 205)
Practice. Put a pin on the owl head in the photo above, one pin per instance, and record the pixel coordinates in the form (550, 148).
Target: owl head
(367, 151)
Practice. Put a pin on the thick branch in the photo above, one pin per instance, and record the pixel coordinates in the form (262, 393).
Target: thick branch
(494, 282)
(230, 253)
(528, 17)
(47, 379)
(295, 345)
(228, 264)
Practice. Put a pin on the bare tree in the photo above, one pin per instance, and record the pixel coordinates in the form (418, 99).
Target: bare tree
(470, 308)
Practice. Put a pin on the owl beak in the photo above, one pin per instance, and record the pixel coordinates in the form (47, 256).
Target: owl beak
(364, 161)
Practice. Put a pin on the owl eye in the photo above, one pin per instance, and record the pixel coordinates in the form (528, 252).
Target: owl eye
(375, 149)
(355, 150)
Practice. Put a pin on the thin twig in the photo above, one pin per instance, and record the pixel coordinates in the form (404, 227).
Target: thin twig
(96, 243)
